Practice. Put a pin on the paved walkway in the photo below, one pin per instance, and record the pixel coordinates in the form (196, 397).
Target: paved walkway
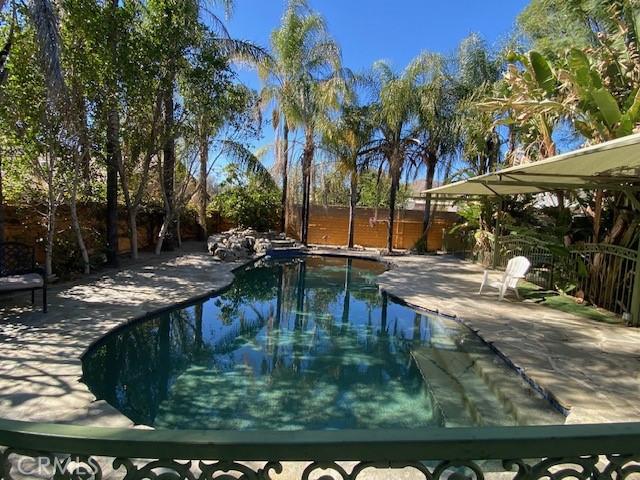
(40, 365)
(591, 368)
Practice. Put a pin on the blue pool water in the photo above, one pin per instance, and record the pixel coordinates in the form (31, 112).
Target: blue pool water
(307, 343)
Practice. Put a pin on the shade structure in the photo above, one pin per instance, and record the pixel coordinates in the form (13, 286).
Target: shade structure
(613, 165)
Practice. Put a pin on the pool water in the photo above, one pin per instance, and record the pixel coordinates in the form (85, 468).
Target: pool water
(307, 343)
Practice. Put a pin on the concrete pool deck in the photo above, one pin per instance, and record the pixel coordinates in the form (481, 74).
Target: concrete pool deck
(589, 367)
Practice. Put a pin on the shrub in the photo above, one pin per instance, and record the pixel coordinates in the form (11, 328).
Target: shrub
(248, 200)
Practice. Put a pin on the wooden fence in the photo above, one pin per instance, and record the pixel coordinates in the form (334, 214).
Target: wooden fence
(330, 226)
(27, 224)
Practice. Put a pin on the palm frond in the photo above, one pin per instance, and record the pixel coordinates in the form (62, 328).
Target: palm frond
(243, 51)
(45, 20)
(247, 160)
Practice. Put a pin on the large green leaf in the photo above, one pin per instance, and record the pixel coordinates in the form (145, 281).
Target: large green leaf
(543, 72)
(607, 106)
(585, 76)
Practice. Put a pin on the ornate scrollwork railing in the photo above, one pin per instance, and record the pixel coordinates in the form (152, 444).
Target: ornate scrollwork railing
(581, 452)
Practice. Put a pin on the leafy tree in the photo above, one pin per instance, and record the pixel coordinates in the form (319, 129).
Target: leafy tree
(374, 190)
(248, 199)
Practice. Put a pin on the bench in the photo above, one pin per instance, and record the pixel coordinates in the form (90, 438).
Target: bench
(19, 272)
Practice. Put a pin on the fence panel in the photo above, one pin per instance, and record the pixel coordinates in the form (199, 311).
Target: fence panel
(583, 452)
(603, 273)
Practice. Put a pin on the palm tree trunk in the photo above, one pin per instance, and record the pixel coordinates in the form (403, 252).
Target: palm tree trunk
(426, 218)
(307, 159)
(353, 200)
(285, 176)
(393, 193)
(202, 203)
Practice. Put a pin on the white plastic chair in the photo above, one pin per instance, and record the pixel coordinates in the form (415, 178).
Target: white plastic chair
(517, 268)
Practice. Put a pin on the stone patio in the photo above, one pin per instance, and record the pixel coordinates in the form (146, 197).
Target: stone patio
(593, 369)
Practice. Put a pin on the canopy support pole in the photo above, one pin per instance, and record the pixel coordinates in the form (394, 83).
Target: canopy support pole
(635, 299)
(496, 234)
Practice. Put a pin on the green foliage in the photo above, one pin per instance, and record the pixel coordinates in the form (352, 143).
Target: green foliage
(374, 191)
(246, 200)
(553, 27)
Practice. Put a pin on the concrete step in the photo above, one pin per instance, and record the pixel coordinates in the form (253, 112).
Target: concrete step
(461, 393)
(283, 243)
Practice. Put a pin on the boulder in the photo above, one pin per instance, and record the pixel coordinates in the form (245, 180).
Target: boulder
(213, 241)
(243, 243)
(225, 254)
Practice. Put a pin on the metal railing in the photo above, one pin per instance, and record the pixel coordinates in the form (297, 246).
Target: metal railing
(609, 276)
(604, 273)
(610, 451)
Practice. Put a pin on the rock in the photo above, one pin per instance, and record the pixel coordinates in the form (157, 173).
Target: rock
(243, 243)
(213, 241)
(225, 255)
(262, 245)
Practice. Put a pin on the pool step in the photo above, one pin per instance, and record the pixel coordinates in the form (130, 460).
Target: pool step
(526, 405)
(491, 392)
(454, 382)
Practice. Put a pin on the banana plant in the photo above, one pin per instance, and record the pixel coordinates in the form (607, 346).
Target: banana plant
(529, 100)
(596, 112)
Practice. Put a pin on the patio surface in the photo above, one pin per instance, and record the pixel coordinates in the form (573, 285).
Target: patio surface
(591, 368)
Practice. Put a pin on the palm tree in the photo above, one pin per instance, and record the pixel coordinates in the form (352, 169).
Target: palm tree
(394, 114)
(437, 129)
(476, 73)
(346, 139)
(304, 83)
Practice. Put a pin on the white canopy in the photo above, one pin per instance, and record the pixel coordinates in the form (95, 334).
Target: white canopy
(613, 165)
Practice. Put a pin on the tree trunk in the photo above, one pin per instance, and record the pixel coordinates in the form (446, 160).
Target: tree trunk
(75, 222)
(113, 149)
(113, 158)
(426, 217)
(353, 200)
(2, 208)
(597, 216)
(285, 176)
(202, 187)
(168, 168)
(307, 159)
(178, 232)
(51, 228)
(163, 232)
(393, 193)
(133, 232)
(560, 196)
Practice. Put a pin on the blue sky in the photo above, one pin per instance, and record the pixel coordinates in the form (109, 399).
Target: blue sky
(370, 30)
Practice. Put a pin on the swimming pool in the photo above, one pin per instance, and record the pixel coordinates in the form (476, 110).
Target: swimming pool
(305, 344)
